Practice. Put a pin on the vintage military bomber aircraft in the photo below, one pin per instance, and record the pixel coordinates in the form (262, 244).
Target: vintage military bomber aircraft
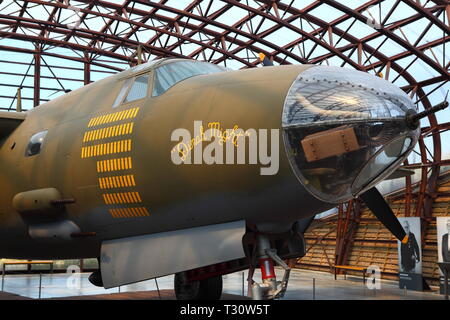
(188, 168)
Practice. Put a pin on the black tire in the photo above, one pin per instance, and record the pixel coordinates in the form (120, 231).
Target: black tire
(96, 278)
(206, 289)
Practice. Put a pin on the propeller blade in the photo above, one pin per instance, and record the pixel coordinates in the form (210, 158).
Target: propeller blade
(400, 173)
(303, 224)
(265, 61)
(380, 208)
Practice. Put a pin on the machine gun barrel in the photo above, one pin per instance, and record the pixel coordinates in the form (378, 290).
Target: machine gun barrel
(436, 108)
(412, 119)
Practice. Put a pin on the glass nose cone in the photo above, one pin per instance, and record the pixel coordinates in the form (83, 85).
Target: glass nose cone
(344, 131)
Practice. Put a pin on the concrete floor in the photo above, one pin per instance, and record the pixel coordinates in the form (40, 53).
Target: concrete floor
(300, 287)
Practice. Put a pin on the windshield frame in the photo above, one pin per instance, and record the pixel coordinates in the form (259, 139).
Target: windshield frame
(158, 68)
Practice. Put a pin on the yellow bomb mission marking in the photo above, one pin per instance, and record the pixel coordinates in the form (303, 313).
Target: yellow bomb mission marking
(105, 166)
(106, 148)
(113, 117)
(117, 130)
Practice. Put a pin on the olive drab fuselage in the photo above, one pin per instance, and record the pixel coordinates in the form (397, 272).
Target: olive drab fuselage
(115, 163)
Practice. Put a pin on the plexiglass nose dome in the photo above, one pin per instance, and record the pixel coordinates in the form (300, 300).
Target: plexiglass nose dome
(345, 130)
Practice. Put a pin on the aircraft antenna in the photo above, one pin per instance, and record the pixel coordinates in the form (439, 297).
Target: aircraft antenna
(19, 99)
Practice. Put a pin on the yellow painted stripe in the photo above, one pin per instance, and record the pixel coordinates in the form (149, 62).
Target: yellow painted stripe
(131, 197)
(138, 196)
(116, 116)
(127, 197)
(145, 211)
(121, 198)
(114, 182)
(108, 132)
(117, 182)
(106, 148)
(113, 117)
(132, 212)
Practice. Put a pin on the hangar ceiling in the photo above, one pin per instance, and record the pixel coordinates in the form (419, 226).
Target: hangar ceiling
(49, 47)
(377, 36)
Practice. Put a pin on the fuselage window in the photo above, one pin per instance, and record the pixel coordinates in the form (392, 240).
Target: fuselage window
(170, 74)
(35, 145)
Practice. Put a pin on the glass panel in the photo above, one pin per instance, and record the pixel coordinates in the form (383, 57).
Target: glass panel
(35, 145)
(381, 161)
(122, 93)
(331, 94)
(170, 74)
(344, 130)
(138, 90)
(328, 158)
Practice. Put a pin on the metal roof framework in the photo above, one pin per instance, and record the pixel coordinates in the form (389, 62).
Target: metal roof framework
(389, 38)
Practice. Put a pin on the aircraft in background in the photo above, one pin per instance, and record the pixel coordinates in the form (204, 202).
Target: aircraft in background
(184, 167)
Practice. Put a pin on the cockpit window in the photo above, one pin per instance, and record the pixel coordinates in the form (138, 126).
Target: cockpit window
(35, 145)
(170, 74)
(138, 90)
(122, 92)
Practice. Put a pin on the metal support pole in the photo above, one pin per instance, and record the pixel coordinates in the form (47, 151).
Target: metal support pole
(251, 271)
(243, 276)
(37, 77)
(87, 70)
(19, 100)
(446, 284)
(40, 284)
(139, 54)
(3, 277)
(157, 288)
(314, 288)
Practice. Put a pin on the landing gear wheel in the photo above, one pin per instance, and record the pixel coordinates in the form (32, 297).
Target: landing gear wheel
(206, 289)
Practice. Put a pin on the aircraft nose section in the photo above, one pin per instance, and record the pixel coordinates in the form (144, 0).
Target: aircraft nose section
(345, 130)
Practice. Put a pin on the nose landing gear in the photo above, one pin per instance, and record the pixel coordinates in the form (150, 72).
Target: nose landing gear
(270, 288)
(205, 289)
